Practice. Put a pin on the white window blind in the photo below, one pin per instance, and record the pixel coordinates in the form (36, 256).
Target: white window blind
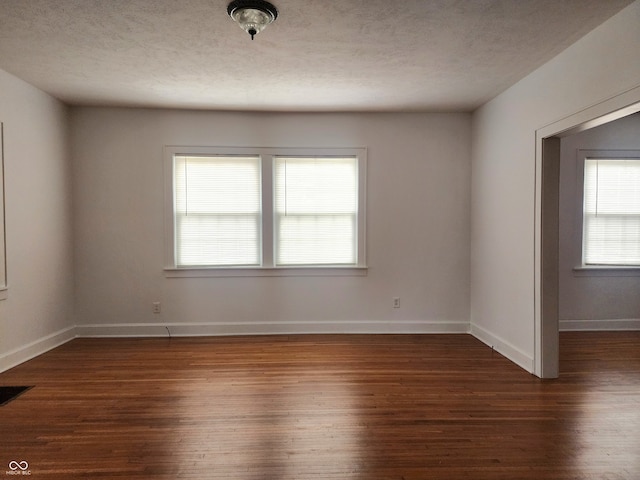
(611, 212)
(316, 210)
(217, 204)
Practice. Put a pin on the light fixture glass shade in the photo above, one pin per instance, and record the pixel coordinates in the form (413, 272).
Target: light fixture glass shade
(252, 15)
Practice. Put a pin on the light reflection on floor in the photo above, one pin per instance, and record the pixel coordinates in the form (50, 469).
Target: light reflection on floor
(300, 429)
(608, 426)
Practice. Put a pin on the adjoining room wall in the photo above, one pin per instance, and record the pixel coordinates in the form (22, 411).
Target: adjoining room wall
(593, 300)
(417, 226)
(603, 64)
(38, 311)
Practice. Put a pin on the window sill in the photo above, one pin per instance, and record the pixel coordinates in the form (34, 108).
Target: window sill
(606, 271)
(330, 271)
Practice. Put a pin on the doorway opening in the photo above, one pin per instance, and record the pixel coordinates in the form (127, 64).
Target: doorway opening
(548, 154)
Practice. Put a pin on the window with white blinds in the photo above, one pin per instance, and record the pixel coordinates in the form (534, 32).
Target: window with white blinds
(316, 210)
(265, 211)
(217, 210)
(611, 212)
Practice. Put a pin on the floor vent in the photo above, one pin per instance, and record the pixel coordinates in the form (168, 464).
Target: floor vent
(11, 393)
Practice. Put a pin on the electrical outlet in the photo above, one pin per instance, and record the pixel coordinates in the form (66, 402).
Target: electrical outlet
(396, 302)
(156, 307)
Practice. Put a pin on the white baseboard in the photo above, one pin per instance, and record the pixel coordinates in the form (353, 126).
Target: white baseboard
(264, 328)
(31, 350)
(599, 325)
(38, 347)
(503, 347)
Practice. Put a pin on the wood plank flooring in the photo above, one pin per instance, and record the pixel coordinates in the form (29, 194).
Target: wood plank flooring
(324, 407)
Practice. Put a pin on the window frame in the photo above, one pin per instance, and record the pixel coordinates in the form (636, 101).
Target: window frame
(583, 269)
(268, 266)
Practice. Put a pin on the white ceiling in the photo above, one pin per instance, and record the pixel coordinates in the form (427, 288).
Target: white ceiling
(319, 55)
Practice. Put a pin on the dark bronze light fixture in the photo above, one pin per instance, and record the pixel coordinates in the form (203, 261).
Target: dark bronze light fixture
(252, 15)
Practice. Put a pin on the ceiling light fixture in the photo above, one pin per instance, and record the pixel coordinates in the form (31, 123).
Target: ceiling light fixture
(252, 15)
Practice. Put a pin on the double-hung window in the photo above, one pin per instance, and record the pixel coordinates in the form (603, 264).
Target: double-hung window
(265, 211)
(611, 209)
(217, 210)
(316, 210)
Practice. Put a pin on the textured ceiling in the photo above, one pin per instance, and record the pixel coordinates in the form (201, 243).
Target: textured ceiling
(319, 55)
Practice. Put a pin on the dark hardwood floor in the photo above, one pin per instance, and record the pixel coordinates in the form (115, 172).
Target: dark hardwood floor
(324, 407)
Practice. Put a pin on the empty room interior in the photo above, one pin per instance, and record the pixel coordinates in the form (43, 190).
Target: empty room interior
(363, 240)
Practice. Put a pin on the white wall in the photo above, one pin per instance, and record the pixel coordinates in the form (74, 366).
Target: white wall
(417, 226)
(592, 300)
(38, 311)
(604, 63)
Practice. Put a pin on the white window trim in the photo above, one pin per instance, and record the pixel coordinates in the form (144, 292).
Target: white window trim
(268, 268)
(581, 269)
(3, 250)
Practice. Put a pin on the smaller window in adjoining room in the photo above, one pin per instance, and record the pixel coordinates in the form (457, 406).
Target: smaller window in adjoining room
(611, 209)
(234, 211)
